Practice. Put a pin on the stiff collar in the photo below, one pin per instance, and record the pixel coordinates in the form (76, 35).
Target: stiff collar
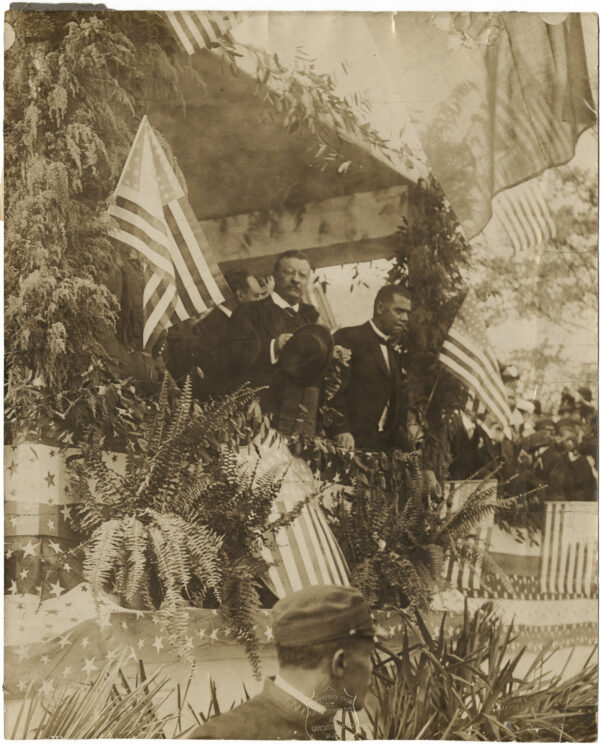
(381, 335)
(225, 310)
(280, 302)
(299, 696)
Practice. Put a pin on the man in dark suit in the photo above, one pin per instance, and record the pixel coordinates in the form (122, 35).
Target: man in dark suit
(193, 345)
(259, 330)
(372, 404)
(324, 637)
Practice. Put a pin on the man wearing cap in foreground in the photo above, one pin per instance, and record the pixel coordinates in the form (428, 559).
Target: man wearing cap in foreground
(324, 637)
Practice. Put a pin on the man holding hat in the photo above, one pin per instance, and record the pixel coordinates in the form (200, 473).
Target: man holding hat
(324, 637)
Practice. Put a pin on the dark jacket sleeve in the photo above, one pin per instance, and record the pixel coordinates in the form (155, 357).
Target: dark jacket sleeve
(244, 348)
(339, 402)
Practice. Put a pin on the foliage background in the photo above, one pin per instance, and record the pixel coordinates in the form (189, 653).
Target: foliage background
(77, 85)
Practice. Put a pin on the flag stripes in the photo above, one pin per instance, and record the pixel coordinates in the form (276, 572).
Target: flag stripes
(466, 354)
(154, 218)
(201, 29)
(570, 548)
(304, 553)
(524, 215)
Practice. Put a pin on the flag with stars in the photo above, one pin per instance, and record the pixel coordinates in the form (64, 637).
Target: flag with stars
(154, 219)
(466, 353)
(202, 29)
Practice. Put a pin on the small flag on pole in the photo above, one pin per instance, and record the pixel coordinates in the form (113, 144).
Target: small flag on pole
(524, 215)
(467, 355)
(155, 219)
(202, 29)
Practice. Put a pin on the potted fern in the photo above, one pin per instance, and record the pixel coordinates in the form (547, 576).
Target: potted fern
(183, 524)
(396, 535)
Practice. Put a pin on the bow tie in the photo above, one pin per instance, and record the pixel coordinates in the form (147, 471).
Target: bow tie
(290, 311)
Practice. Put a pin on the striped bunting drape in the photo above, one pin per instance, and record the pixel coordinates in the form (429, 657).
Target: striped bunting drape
(305, 553)
(524, 215)
(570, 548)
(154, 219)
(202, 29)
(466, 354)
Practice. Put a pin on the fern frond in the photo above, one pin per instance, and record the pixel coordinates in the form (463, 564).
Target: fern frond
(483, 562)
(102, 554)
(205, 546)
(466, 520)
(135, 538)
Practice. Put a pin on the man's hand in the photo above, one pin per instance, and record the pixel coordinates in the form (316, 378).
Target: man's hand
(281, 341)
(432, 484)
(345, 439)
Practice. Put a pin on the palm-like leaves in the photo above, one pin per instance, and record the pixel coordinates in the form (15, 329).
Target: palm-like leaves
(466, 687)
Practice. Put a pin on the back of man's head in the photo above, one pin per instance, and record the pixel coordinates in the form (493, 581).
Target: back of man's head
(324, 637)
(237, 279)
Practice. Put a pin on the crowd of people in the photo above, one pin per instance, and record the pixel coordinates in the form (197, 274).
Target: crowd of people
(267, 335)
(554, 451)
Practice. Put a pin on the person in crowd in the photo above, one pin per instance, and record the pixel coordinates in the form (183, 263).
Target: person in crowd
(463, 442)
(516, 417)
(589, 420)
(259, 330)
(193, 345)
(572, 477)
(527, 410)
(324, 637)
(372, 404)
(495, 450)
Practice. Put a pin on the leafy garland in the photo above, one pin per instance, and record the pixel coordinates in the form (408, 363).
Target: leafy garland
(431, 256)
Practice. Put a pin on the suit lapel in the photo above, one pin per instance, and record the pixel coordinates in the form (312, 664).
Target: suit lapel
(374, 341)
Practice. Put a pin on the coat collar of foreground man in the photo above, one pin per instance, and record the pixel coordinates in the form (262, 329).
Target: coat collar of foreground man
(324, 637)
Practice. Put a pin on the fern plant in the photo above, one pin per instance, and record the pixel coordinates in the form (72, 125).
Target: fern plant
(183, 525)
(396, 536)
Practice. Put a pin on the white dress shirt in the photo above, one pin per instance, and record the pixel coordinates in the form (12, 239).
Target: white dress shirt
(225, 310)
(386, 358)
(284, 304)
(383, 346)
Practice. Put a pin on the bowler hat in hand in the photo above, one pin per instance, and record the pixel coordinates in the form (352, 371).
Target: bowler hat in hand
(306, 355)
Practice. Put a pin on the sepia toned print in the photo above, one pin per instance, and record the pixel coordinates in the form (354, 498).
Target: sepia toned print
(301, 402)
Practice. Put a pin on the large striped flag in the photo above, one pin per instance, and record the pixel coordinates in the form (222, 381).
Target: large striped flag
(496, 98)
(467, 355)
(202, 29)
(304, 553)
(155, 219)
(524, 215)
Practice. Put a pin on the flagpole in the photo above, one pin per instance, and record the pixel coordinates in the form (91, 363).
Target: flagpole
(434, 386)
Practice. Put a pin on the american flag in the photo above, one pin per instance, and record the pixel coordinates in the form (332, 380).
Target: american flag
(467, 355)
(524, 215)
(154, 218)
(201, 29)
(304, 553)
